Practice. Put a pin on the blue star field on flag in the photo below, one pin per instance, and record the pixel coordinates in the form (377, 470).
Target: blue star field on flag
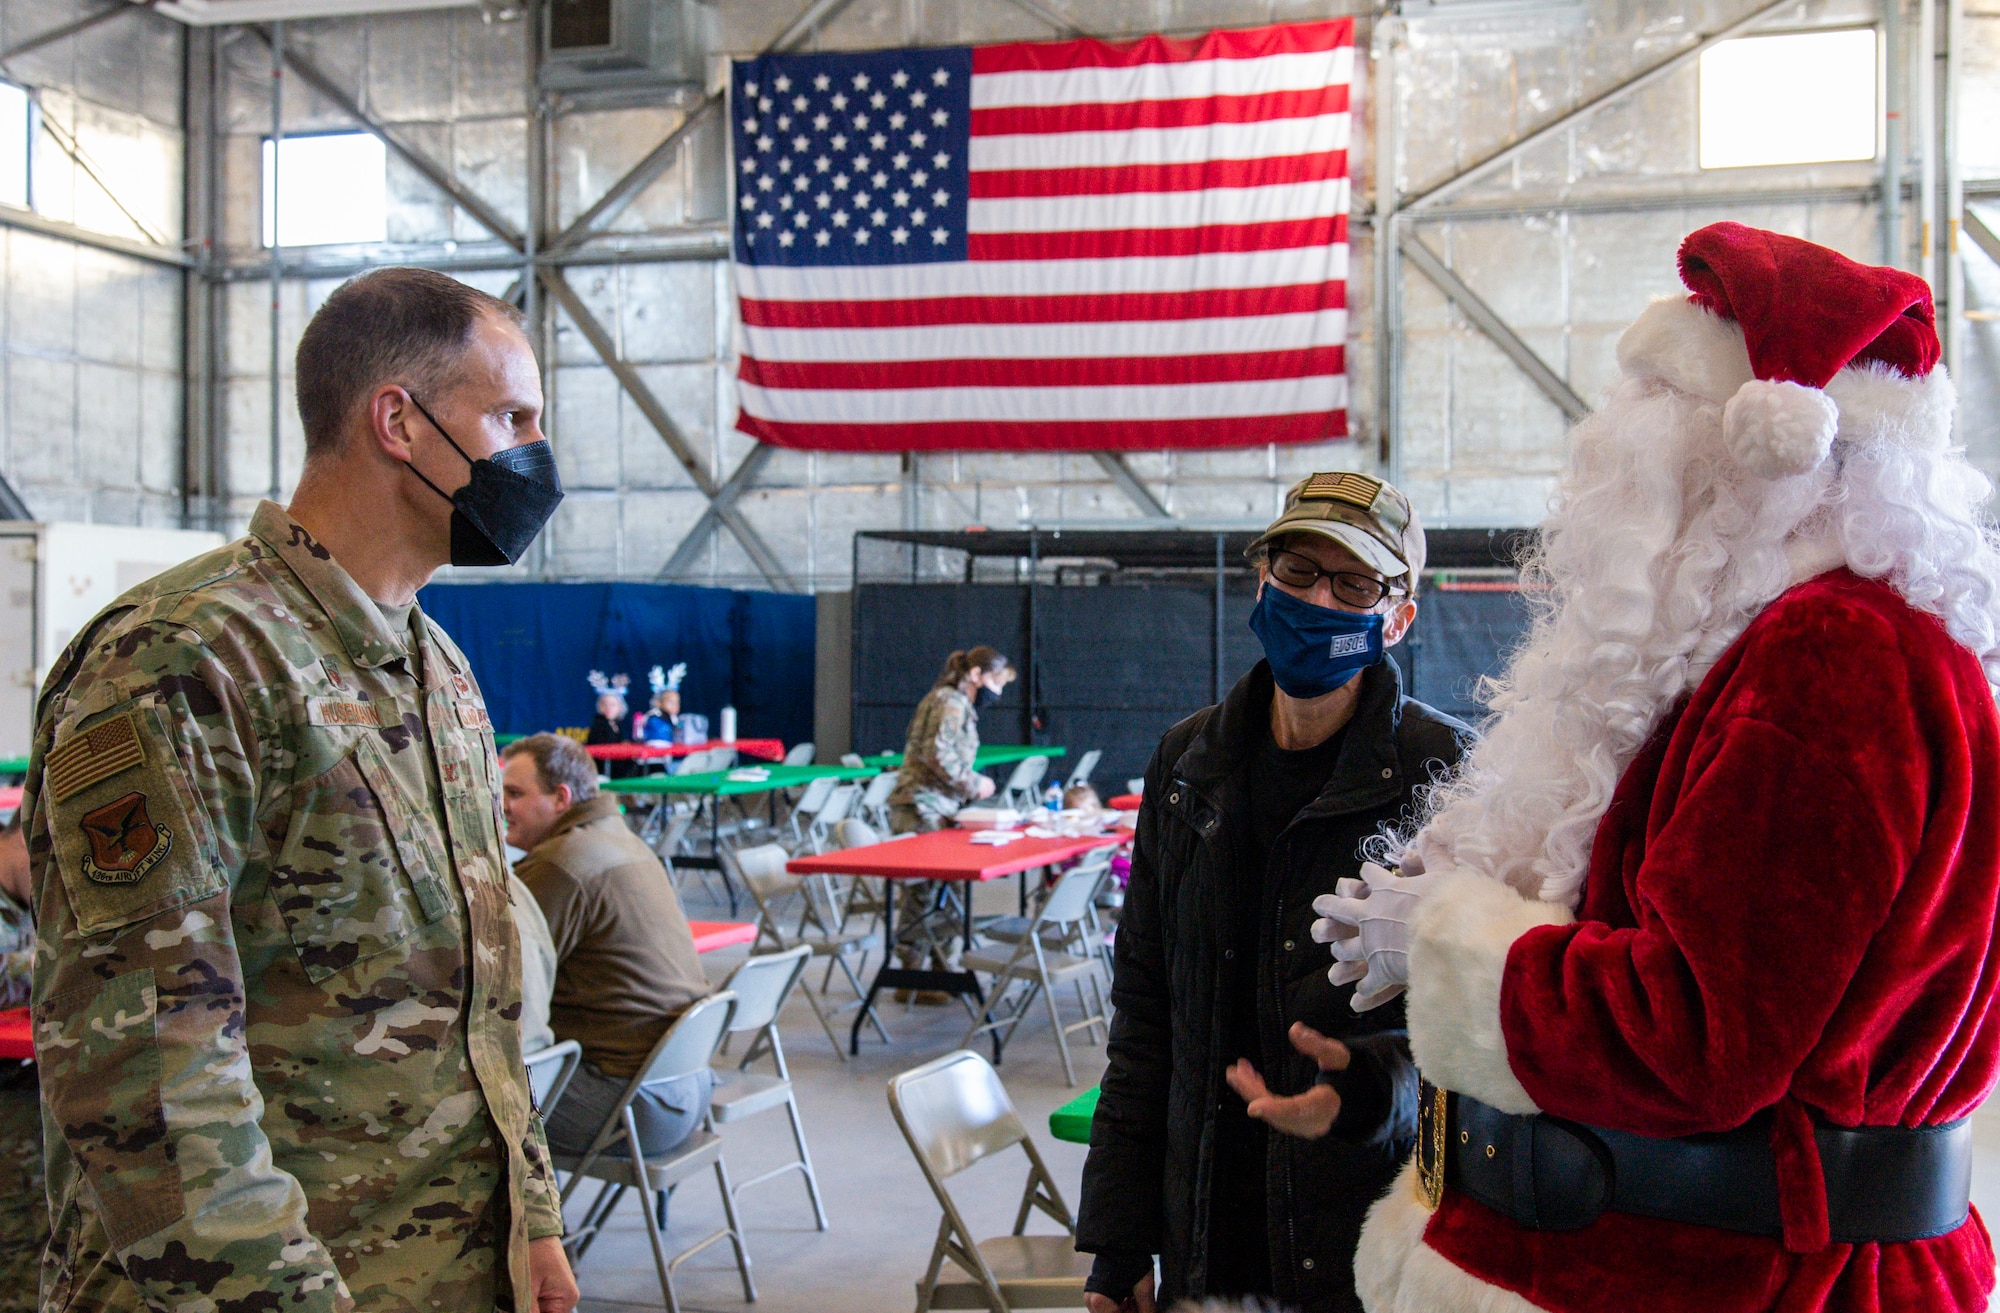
(852, 159)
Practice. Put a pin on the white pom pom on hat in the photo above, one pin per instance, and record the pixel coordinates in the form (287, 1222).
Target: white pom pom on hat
(1770, 322)
(1776, 430)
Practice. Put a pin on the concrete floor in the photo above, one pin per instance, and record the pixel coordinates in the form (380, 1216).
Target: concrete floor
(883, 1217)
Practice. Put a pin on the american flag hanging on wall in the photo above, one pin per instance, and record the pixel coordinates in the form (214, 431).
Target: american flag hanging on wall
(1073, 245)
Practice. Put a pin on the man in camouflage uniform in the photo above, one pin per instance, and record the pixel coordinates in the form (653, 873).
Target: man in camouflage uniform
(24, 1211)
(277, 1009)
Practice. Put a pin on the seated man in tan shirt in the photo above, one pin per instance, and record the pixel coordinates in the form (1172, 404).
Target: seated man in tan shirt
(625, 960)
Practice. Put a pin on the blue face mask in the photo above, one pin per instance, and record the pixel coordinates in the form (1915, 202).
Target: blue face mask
(1313, 650)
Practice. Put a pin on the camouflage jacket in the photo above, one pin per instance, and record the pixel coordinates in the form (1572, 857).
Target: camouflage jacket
(937, 771)
(17, 952)
(277, 1002)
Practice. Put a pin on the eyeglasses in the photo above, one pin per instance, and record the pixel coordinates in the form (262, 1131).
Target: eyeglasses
(1358, 590)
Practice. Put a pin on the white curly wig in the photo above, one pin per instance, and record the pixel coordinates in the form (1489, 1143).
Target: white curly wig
(1661, 544)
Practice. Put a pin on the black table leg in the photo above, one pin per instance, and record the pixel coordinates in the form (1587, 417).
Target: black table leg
(891, 976)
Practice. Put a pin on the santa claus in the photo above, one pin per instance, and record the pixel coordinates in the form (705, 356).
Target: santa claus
(1700, 944)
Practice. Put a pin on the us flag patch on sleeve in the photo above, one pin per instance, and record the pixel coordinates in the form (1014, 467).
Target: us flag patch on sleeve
(94, 755)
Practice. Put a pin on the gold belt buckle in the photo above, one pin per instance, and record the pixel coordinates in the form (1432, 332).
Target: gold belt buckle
(1433, 1135)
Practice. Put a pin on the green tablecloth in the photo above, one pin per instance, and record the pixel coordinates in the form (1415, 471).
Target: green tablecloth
(502, 740)
(990, 754)
(1071, 1122)
(716, 783)
(13, 765)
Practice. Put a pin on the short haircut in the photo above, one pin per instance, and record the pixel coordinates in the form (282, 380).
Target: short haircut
(395, 325)
(559, 760)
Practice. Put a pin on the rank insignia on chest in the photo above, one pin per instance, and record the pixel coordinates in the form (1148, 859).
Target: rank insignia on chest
(461, 684)
(124, 841)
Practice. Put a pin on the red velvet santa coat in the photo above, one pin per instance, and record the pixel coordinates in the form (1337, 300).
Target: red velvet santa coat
(1791, 903)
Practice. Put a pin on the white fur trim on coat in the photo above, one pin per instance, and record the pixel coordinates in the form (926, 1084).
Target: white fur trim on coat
(1459, 937)
(1877, 404)
(1396, 1272)
(1687, 347)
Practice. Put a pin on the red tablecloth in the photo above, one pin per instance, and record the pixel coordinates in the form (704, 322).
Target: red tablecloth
(16, 1040)
(1124, 802)
(766, 749)
(10, 798)
(711, 935)
(950, 855)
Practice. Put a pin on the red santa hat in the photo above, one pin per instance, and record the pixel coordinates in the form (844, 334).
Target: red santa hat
(1800, 345)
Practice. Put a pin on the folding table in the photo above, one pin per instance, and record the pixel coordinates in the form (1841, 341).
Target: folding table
(711, 935)
(710, 787)
(941, 855)
(13, 765)
(989, 754)
(17, 1041)
(764, 749)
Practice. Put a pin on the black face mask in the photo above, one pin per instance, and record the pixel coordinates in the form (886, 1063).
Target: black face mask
(985, 697)
(510, 496)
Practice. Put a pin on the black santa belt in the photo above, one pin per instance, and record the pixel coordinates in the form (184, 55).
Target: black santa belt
(1884, 1184)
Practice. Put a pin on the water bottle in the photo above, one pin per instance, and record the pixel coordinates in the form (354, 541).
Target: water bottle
(729, 724)
(1052, 797)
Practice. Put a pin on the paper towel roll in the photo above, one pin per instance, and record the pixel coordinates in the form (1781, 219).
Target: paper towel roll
(729, 725)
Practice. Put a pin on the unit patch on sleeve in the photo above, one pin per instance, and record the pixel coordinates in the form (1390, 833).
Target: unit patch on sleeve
(94, 755)
(124, 841)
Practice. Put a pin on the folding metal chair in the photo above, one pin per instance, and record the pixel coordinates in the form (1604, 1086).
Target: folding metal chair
(1066, 911)
(851, 759)
(762, 871)
(800, 754)
(615, 1160)
(761, 985)
(874, 805)
(1022, 790)
(838, 806)
(953, 1112)
(807, 808)
(1084, 766)
(549, 1071)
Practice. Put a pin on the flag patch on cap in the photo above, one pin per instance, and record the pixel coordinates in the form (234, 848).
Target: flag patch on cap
(92, 756)
(1354, 489)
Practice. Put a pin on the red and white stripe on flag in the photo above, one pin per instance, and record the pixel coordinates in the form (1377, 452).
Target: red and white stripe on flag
(1153, 253)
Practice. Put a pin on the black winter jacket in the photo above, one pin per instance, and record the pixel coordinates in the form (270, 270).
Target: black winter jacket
(1147, 1183)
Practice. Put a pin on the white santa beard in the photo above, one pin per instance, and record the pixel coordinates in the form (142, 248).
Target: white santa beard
(1657, 553)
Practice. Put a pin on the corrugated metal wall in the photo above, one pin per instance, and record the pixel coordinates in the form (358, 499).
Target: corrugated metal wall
(1566, 244)
(90, 422)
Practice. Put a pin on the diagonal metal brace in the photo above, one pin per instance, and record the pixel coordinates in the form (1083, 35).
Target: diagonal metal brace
(639, 177)
(1128, 483)
(606, 208)
(735, 486)
(656, 415)
(485, 215)
(1982, 236)
(1645, 77)
(1487, 321)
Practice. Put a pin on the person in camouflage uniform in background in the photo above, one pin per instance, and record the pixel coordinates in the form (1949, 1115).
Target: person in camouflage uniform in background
(24, 1210)
(277, 1011)
(938, 776)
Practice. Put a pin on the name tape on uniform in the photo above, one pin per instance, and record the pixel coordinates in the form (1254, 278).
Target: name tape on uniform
(340, 711)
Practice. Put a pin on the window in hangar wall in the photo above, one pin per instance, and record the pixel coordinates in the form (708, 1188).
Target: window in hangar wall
(1792, 98)
(331, 189)
(17, 127)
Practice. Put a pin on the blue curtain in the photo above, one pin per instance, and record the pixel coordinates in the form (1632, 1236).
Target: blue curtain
(532, 646)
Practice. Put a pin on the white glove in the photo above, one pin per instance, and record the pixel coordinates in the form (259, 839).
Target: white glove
(1368, 923)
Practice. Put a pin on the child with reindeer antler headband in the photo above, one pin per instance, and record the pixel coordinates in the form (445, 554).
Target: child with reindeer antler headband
(610, 724)
(657, 725)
